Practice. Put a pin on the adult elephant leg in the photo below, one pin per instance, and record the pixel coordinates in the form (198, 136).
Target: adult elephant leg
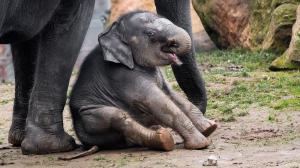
(24, 61)
(57, 48)
(187, 75)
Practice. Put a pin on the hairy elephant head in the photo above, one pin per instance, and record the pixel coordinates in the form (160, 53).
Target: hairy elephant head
(145, 39)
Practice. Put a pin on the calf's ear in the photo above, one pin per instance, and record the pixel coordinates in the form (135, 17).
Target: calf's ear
(115, 47)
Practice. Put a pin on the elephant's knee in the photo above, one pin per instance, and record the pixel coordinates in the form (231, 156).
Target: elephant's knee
(121, 118)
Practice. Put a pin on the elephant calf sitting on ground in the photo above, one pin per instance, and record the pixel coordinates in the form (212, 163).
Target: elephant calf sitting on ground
(120, 92)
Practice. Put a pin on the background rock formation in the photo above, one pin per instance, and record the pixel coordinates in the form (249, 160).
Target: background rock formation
(255, 24)
(202, 41)
(225, 21)
(120, 7)
(290, 59)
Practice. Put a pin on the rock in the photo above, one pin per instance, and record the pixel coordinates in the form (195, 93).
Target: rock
(202, 42)
(120, 7)
(211, 161)
(255, 24)
(290, 59)
(280, 28)
(224, 20)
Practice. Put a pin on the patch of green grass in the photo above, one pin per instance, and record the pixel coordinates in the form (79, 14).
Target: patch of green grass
(249, 60)
(169, 73)
(5, 101)
(286, 139)
(272, 117)
(51, 158)
(122, 161)
(251, 85)
(75, 71)
(242, 113)
(239, 79)
(99, 158)
(176, 87)
(228, 118)
(287, 103)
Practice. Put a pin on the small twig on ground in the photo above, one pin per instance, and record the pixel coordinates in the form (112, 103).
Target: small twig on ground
(91, 151)
(8, 147)
(3, 163)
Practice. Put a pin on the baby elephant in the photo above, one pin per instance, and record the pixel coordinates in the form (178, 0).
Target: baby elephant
(121, 94)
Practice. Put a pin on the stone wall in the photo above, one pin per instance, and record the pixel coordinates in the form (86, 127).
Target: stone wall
(120, 7)
(251, 24)
(202, 41)
(290, 59)
(255, 24)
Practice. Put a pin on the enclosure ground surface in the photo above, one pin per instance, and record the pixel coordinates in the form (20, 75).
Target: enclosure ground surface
(258, 114)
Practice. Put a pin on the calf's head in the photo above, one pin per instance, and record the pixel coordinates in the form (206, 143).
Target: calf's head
(145, 39)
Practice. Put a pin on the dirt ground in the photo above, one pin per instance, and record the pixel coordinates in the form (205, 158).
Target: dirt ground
(250, 141)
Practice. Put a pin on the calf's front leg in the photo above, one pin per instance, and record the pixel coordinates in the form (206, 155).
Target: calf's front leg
(204, 125)
(165, 110)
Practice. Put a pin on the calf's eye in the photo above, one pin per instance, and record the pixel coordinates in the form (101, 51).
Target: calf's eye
(149, 33)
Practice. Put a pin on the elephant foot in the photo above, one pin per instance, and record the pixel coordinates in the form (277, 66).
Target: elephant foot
(16, 136)
(161, 140)
(16, 132)
(206, 126)
(37, 141)
(197, 143)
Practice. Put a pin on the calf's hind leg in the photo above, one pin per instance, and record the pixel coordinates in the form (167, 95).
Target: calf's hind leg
(100, 120)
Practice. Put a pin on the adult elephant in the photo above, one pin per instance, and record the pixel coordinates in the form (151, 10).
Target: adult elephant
(46, 37)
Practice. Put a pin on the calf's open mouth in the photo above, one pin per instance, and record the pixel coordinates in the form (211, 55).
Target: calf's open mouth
(174, 58)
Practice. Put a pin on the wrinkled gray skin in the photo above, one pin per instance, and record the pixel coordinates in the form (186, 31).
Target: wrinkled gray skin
(46, 36)
(121, 93)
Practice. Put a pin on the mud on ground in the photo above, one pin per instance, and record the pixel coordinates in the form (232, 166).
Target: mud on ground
(250, 141)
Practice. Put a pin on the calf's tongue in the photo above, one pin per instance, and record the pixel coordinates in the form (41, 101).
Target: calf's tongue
(175, 59)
